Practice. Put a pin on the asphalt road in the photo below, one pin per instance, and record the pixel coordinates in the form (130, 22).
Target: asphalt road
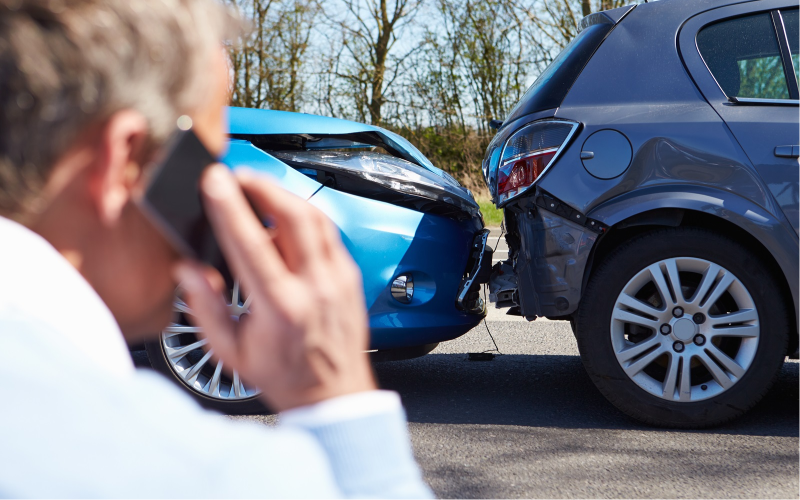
(530, 424)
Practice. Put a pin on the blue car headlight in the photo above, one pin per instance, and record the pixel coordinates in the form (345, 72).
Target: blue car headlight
(385, 178)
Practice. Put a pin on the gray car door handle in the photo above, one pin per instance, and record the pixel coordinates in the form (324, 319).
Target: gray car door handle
(787, 151)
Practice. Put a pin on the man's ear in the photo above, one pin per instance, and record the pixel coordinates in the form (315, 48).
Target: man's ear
(118, 164)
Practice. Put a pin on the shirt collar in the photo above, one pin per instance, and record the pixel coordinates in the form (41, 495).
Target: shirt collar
(41, 285)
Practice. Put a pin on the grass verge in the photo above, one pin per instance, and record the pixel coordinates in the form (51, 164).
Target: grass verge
(492, 216)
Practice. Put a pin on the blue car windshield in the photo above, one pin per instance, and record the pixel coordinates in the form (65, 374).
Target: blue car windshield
(551, 87)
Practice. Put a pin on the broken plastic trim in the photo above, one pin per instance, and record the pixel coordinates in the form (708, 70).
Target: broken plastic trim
(478, 270)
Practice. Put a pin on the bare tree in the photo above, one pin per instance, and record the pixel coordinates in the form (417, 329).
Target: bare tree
(268, 64)
(369, 31)
(494, 55)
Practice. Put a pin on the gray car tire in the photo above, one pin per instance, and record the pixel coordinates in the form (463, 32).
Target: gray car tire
(598, 318)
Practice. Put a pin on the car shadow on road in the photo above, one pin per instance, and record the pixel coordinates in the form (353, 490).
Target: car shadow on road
(548, 391)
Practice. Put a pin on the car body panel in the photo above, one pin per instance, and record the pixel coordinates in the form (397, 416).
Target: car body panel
(244, 154)
(758, 128)
(385, 240)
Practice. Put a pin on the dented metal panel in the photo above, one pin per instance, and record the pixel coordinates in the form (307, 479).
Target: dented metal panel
(552, 256)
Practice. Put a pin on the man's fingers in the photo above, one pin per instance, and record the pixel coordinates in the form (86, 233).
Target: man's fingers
(248, 249)
(298, 233)
(209, 311)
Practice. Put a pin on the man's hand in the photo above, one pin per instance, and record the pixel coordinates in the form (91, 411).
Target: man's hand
(305, 337)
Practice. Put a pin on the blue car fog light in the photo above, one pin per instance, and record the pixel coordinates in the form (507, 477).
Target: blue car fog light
(403, 288)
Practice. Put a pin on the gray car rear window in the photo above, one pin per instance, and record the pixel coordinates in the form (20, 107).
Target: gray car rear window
(744, 57)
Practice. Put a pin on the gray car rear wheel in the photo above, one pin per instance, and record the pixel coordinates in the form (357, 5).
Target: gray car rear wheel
(682, 327)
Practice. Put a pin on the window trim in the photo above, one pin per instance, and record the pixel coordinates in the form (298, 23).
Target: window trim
(786, 54)
(756, 100)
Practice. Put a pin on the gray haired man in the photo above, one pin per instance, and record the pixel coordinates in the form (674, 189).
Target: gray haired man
(89, 90)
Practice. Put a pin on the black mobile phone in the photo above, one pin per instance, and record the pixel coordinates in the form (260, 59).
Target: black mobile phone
(172, 198)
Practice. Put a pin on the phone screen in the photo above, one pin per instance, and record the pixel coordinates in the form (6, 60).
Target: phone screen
(172, 198)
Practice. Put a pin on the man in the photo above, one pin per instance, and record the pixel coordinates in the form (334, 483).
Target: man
(89, 90)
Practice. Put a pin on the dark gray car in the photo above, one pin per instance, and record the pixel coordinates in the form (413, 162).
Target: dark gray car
(650, 184)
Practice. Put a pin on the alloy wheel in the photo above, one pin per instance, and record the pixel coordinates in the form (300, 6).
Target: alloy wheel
(190, 357)
(685, 329)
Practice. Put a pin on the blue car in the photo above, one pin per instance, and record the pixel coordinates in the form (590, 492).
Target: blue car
(415, 232)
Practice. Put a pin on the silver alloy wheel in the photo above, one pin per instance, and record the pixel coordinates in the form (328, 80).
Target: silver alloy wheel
(189, 358)
(685, 329)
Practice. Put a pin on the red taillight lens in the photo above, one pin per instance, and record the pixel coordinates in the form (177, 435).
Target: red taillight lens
(526, 156)
(522, 172)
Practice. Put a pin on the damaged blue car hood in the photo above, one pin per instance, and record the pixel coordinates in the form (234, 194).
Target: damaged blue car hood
(246, 121)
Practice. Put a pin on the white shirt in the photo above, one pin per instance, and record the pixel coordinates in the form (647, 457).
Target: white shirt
(78, 420)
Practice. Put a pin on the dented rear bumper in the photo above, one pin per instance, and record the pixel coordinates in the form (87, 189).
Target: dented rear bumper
(549, 248)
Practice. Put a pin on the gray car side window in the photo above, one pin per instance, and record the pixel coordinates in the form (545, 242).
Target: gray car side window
(744, 56)
(790, 22)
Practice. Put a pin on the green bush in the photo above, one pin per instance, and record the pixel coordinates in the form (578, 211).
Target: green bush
(492, 216)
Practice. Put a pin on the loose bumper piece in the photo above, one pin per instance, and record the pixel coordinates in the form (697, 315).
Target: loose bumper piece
(479, 268)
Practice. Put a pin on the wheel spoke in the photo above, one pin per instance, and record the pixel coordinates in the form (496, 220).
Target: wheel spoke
(183, 351)
(740, 316)
(671, 379)
(246, 305)
(729, 364)
(724, 283)
(236, 386)
(642, 363)
(177, 329)
(638, 306)
(675, 281)
(709, 277)
(733, 324)
(629, 317)
(638, 349)
(718, 373)
(193, 372)
(658, 278)
(686, 380)
(235, 293)
(213, 385)
(181, 306)
(743, 331)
